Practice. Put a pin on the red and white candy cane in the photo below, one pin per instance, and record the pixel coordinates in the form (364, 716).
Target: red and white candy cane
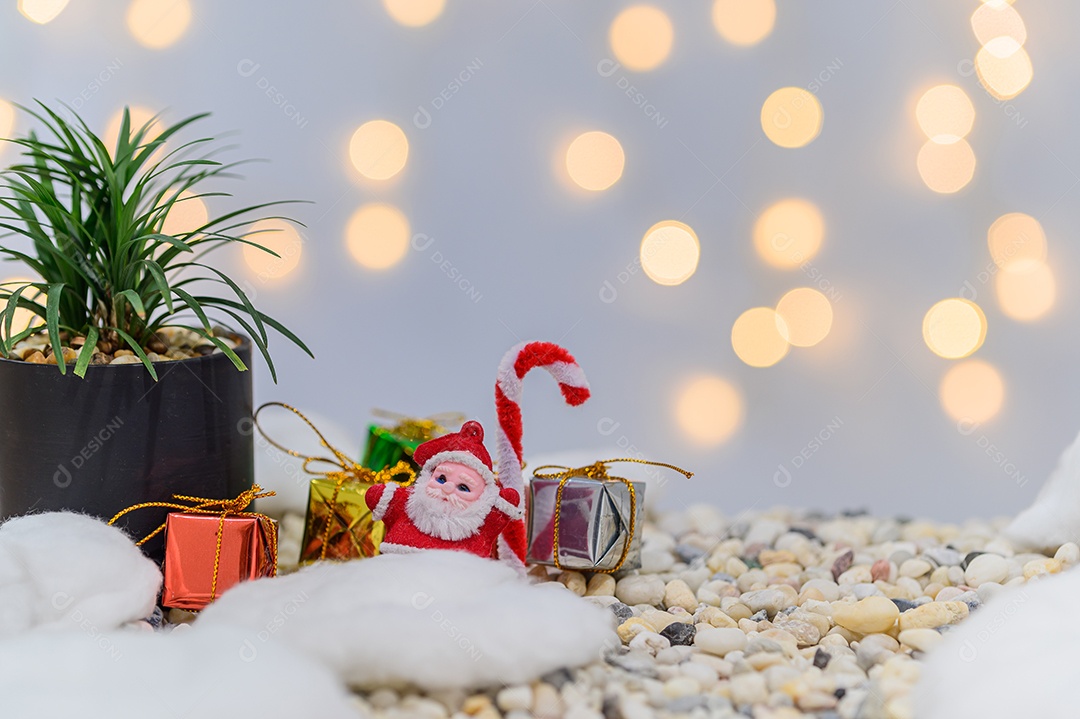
(518, 362)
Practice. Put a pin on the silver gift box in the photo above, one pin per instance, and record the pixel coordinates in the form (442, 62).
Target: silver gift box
(594, 524)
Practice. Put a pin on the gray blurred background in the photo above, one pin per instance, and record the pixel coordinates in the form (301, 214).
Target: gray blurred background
(855, 421)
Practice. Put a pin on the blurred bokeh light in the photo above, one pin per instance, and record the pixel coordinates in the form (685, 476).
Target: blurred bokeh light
(954, 328)
(595, 160)
(789, 232)
(641, 37)
(670, 252)
(377, 236)
(378, 149)
(708, 409)
(972, 391)
(758, 337)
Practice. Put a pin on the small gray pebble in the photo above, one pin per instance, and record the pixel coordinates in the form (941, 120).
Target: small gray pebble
(679, 633)
(760, 616)
(904, 604)
(683, 705)
(558, 678)
(688, 552)
(722, 577)
(636, 662)
(622, 611)
(821, 658)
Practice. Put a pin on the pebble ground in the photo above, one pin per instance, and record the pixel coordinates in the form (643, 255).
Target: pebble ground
(772, 616)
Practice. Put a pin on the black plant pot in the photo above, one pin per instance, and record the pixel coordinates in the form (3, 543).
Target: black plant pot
(116, 438)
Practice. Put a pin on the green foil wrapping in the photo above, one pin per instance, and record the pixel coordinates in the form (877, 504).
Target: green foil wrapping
(354, 534)
(384, 448)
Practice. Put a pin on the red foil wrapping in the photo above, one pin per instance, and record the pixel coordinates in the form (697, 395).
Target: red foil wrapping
(190, 548)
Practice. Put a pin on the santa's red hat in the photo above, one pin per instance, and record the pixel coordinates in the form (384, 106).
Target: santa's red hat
(464, 447)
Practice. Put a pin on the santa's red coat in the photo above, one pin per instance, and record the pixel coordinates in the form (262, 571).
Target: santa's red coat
(403, 536)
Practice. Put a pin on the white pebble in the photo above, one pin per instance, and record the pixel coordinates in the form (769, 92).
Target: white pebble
(640, 589)
(986, 568)
(1068, 553)
(720, 641)
(511, 698)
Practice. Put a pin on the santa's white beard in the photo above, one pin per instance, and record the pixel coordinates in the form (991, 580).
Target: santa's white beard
(450, 521)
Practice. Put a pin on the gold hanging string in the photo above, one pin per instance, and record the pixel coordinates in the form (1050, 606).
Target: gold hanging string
(420, 429)
(346, 470)
(223, 508)
(597, 471)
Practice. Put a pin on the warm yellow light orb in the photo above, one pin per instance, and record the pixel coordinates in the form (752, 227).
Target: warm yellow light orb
(377, 236)
(954, 328)
(758, 337)
(7, 122)
(187, 214)
(1025, 290)
(41, 11)
(641, 37)
(708, 410)
(414, 13)
(744, 22)
(279, 236)
(972, 391)
(157, 24)
(791, 117)
(670, 252)
(990, 21)
(789, 232)
(945, 113)
(1014, 237)
(378, 149)
(23, 317)
(595, 160)
(1004, 68)
(806, 316)
(948, 167)
(139, 116)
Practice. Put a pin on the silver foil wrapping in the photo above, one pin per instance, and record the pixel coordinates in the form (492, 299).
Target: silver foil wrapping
(594, 524)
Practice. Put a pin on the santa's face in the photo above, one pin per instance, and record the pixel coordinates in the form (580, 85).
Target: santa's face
(455, 484)
(452, 502)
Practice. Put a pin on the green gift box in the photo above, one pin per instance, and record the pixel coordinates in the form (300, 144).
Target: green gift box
(386, 446)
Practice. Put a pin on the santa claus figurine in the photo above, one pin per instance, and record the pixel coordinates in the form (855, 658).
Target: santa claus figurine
(455, 503)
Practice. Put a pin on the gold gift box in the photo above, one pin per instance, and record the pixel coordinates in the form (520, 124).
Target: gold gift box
(352, 533)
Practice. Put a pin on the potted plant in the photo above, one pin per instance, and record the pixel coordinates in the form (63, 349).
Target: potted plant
(123, 388)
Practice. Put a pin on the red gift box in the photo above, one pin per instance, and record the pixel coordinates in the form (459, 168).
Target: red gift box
(211, 545)
(200, 563)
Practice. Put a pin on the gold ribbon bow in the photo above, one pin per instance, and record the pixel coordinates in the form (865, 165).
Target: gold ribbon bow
(420, 429)
(346, 469)
(223, 508)
(598, 471)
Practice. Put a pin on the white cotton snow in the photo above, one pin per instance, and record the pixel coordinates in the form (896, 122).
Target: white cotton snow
(433, 619)
(128, 674)
(1014, 657)
(1054, 517)
(62, 570)
(284, 474)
